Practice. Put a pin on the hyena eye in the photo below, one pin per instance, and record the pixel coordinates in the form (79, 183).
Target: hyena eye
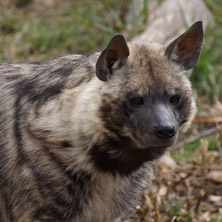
(136, 101)
(174, 100)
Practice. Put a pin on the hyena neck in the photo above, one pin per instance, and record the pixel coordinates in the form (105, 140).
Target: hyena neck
(120, 156)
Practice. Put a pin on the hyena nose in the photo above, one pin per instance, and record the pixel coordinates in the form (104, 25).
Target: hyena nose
(164, 132)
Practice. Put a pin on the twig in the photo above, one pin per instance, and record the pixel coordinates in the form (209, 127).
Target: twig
(208, 119)
(201, 195)
(197, 136)
(156, 215)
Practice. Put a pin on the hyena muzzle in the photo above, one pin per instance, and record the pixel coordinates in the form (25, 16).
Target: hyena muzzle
(80, 133)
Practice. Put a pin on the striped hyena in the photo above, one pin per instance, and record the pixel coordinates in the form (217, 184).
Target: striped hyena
(80, 133)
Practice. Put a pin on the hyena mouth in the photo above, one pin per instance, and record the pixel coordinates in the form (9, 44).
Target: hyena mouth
(153, 142)
(137, 141)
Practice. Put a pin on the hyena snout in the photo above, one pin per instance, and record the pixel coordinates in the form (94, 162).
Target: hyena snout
(165, 126)
(166, 131)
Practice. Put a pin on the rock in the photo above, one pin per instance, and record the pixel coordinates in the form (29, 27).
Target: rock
(171, 18)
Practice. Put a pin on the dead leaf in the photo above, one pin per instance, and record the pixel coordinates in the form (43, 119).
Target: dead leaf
(215, 176)
(205, 217)
(162, 191)
(178, 219)
(215, 199)
(181, 188)
(168, 161)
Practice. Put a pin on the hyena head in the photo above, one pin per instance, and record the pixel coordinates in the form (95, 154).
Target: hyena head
(147, 98)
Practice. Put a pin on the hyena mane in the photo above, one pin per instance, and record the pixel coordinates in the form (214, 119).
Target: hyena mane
(81, 133)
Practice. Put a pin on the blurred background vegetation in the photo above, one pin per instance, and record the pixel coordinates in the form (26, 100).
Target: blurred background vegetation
(36, 30)
(32, 30)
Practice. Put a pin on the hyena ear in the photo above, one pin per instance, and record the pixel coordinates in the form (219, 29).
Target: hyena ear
(112, 57)
(185, 50)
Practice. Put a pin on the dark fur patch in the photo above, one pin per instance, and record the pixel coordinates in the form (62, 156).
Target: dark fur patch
(73, 192)
(9, 208)
(66, 144)
(66, 203)
(127, 158)
(113, 114)
(72, 176)
(12, 77)
(49, 214)
(42, 92)
(17, 133)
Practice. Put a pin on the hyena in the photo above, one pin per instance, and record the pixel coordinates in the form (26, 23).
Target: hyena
(81, 133)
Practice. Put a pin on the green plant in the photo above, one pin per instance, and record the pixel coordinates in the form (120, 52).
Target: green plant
(206, 75)
(176, 210)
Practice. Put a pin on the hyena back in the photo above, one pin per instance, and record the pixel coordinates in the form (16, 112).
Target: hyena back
(80, 133)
